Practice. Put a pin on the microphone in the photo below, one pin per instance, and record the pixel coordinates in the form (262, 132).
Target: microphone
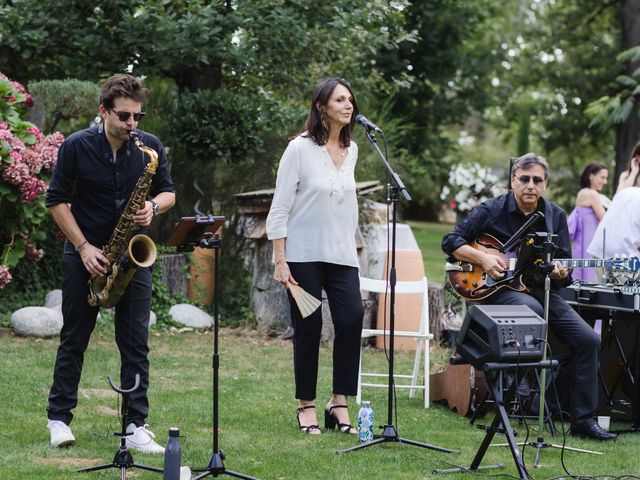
(521, 233)
(368, 125)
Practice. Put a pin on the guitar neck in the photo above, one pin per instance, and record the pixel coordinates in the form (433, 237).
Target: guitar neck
(580, 262)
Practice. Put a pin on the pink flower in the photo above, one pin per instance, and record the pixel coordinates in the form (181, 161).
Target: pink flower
(15, 173)
(18, 86)
(32, 253)
(5, 134)
(14, 142)
(31, 189)
(5, 275)
(35, 131)
(33, 159)
(55, 139)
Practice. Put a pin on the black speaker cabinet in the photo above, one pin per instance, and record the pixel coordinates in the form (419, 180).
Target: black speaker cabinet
(501, 333)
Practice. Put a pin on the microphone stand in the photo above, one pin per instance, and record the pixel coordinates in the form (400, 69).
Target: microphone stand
(123, 458)
(546, 266)
(548, 249)
(389, 431)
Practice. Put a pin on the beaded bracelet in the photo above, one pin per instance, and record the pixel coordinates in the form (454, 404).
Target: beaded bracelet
(81, 245)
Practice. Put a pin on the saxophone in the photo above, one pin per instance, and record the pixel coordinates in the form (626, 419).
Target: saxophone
(125, 252)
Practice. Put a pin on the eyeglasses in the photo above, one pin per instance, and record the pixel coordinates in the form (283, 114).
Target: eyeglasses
(124, 116)
(525, 179)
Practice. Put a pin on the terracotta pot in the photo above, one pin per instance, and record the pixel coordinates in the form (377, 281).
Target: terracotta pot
(201, 276)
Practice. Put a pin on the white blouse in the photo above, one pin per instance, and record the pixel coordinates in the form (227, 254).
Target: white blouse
(621, 225)
(315, 205)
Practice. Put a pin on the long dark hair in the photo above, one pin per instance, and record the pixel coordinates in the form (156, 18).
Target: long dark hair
(314, 126)
(591, 169)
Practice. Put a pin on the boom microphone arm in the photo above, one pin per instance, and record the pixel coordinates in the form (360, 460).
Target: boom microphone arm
(521, 233)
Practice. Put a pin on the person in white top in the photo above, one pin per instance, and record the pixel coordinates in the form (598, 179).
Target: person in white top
(618, 234)
(619, 231)
(312, 222)
(630, 178)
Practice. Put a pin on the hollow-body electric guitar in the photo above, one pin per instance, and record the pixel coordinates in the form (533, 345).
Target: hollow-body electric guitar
(472, 283)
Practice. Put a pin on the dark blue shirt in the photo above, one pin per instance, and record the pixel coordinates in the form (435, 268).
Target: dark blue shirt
(501, 218)
(98, 188)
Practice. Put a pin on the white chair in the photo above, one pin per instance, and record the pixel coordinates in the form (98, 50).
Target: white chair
(422, 336)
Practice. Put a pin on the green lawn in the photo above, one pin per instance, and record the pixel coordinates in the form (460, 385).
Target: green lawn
(257, 425)
(429, 235)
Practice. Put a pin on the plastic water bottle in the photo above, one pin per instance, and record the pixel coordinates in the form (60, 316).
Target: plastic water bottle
(172, 456)
(365, 422)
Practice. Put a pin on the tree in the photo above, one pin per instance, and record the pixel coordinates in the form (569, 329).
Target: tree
(183, 40)
(619, 106)
(442, 79)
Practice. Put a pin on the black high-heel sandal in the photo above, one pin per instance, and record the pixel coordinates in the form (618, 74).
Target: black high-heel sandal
(331, 420)
(306, 428)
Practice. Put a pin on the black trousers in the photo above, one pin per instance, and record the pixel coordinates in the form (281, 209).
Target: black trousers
(79, 320)
(575, 333)
(342, 286)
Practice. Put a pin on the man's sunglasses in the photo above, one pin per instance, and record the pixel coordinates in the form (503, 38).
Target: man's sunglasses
(124, 116)
(525, 179)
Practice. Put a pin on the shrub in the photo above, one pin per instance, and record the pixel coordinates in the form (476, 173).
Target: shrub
(469, 185)
(26, 160)
(66, 100)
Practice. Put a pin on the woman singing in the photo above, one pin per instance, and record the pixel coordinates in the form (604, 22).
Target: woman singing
(312, 222)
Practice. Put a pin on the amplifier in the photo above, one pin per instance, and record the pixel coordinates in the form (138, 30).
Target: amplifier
(501, 333)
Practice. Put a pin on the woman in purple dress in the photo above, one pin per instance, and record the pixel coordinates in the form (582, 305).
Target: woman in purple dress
(583, 221)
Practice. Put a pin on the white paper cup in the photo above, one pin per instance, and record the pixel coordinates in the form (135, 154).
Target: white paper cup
(185, 473)
(604, 422)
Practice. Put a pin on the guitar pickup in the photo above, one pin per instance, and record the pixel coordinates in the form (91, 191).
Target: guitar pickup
(458, 267)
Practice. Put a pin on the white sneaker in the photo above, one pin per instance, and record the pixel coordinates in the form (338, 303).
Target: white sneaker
(61, 435)
(142, 440)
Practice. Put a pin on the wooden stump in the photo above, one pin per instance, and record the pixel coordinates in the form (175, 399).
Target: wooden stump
(174, 272)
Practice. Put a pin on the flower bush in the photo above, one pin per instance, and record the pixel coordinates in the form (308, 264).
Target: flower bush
(27, 158)
(469, 185)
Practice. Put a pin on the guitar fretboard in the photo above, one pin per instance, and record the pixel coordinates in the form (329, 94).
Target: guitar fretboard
(581, 262)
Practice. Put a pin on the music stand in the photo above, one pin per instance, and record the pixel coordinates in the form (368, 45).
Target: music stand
(190, 231)
(389, 431)
(123, 458)
(201, 231)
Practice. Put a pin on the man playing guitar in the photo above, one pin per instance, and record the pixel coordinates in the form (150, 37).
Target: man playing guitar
(501, 217)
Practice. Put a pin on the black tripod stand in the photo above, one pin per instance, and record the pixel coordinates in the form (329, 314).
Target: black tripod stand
(495, 373)
(389, 431)
(123, 458)
(200, 231)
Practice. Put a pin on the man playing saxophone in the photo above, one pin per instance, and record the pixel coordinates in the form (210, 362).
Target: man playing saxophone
(98, 172)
